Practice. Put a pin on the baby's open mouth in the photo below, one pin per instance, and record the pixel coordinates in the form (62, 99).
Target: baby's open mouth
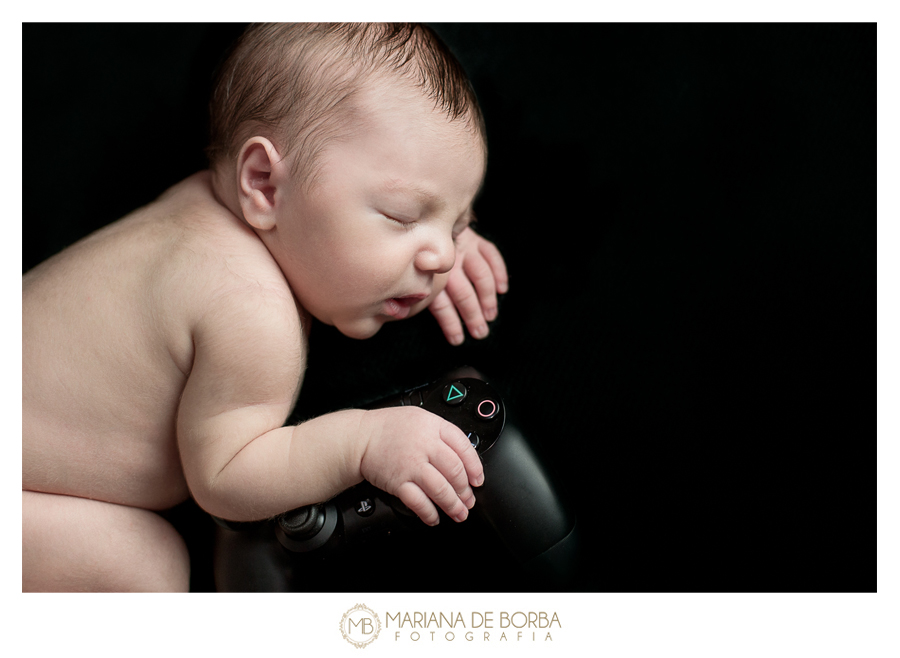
(399, 307)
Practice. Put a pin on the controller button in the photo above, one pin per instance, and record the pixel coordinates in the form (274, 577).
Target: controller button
(365, 507)
(474, 439)
(487, 409)
(454, 394)
(412, 399)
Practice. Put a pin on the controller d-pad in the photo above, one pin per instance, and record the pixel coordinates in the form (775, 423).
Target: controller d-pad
(454, 394)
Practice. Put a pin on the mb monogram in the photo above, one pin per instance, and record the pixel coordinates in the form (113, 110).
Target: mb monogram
(360, 626)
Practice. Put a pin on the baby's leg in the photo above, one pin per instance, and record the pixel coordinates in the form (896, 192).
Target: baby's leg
(75, 544)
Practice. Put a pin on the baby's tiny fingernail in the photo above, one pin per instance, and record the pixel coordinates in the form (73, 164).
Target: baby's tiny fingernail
(479, 480)
(480, 331)
(462, 516)
(456, 339)
(490, 314)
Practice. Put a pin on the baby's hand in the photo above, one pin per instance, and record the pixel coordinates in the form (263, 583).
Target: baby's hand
(478, 274)
(417, 455)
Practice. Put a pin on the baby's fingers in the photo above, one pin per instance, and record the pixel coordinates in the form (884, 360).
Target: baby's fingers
(436, 487)
(460, 444)
(483, 278)
(411, 495)
(464, 297)
(498, 266)
(447, 318)
(451, 467)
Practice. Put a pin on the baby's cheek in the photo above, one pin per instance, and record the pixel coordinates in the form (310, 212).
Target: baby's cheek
(421, 306)
(440, 282)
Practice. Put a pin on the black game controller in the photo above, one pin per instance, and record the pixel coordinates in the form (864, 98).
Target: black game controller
(518, 502)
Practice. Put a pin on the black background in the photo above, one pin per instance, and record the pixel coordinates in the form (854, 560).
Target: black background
(688, 217)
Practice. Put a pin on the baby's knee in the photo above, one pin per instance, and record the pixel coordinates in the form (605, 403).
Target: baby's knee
(75, 544)
(154, 558)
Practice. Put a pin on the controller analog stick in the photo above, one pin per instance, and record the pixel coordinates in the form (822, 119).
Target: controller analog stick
(303, 522)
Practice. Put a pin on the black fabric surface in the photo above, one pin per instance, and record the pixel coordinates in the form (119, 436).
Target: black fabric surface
(688, 217)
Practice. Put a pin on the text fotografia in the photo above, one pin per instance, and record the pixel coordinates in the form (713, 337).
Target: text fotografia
(480, 626)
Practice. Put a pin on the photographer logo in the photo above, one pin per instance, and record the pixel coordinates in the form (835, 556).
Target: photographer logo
(360, 626)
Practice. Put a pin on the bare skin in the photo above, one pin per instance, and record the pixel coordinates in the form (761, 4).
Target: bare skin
(163, 354)
(107, 349)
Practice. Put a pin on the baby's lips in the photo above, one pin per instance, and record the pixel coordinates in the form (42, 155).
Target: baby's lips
(412, 299)
(396, 309)
(399, 307)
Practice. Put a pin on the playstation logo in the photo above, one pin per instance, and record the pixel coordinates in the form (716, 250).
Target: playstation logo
(366, 507)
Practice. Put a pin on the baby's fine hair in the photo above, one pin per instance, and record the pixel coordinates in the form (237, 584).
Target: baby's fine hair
(295, 84)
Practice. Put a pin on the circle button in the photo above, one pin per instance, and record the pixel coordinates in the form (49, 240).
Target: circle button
(487, 409)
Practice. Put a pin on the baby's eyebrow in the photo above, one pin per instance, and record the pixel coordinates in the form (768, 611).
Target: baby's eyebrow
(425, 197)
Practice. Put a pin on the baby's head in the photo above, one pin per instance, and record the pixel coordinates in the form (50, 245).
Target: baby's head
(302, 86)
(355, 153)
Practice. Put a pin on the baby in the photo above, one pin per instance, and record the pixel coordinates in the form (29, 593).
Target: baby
(163, 354)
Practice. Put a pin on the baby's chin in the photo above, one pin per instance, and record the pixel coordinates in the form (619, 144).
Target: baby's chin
(359, 330)
(363, 329)
(359, 335)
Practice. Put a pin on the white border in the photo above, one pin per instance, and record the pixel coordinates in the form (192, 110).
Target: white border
(605, 624)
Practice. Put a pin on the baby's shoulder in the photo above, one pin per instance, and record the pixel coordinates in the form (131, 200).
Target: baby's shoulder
(225, 287)
(220, 265)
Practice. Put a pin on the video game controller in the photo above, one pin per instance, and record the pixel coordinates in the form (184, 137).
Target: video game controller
(518, 502)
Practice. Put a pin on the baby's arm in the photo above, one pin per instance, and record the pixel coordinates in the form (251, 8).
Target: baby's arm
(478, 274)
(241, 464)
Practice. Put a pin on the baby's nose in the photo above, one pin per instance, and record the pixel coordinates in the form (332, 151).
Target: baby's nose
(437, 257)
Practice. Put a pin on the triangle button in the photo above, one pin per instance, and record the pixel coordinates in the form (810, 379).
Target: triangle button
(454, 393)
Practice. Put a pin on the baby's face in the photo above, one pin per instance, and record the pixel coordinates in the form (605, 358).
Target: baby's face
(372, 239)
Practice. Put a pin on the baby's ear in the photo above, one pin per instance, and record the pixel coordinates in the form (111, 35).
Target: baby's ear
(259, 172)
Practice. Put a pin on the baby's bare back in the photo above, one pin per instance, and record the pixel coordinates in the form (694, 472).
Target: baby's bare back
(107, 346)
